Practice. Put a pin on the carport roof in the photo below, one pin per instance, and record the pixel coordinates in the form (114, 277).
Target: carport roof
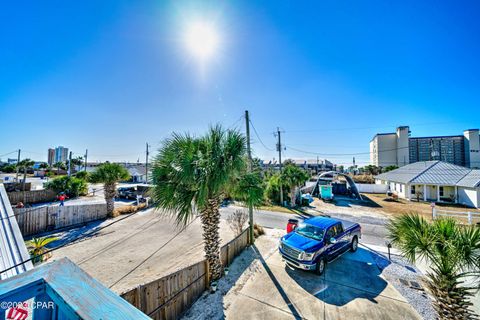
(435, 173)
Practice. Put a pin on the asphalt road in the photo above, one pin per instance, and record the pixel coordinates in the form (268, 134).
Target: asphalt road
(373, 228)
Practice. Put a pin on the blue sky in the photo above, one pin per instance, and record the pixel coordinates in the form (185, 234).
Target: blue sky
(111, 75)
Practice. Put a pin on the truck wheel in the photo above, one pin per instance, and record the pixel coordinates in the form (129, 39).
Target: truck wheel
(354, 244)
(321, 264)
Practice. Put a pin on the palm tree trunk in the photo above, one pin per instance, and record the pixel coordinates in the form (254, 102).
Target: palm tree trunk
(109, 193)
(292, 195)
(211, 224)
(451, 299)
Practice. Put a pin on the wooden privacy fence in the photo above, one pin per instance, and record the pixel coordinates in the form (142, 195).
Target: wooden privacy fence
(37, 220)
(33, 196)
(170, 296)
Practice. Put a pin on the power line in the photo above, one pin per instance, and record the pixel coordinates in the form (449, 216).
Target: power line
(342, 154)
(152, 254)
(6, 154)
(365, 128)
(236, 122)
(65, 244)
(259, 139)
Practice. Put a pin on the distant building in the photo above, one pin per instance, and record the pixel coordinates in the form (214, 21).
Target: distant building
(51, 156)
(399, 149)
(61, 154)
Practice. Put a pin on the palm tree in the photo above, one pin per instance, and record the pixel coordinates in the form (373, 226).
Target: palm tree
(191, 174)
(293, 177)
(38, 246)
(59, 165)
(452, 250)
(248, 188)
(109, 174)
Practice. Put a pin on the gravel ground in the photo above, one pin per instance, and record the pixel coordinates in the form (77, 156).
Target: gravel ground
(212, 305)
(399, 268)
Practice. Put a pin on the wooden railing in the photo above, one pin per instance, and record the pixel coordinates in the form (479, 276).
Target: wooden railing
(170, 296)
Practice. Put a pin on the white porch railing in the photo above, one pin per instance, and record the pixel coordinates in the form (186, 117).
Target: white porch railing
(469, 216)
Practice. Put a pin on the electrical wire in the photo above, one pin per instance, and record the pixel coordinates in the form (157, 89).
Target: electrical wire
(65, 244)
(6, 154)
(259, 139)
(152, 254)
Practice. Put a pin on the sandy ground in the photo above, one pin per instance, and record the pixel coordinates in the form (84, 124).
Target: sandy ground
(133, 251)
(379, 206)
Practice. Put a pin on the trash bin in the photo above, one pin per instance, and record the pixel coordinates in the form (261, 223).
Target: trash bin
(291, 225)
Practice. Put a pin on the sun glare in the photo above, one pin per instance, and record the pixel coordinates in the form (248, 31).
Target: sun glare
(202, 40)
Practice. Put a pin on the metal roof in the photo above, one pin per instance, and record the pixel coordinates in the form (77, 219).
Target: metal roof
(434, 173)
(471, 180)
(12, 246)
(406, 173)
(442, 173)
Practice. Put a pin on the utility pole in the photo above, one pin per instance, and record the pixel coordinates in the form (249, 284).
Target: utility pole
(86, 155)
(279, 147)
(69, 163)
(249, 166)
(18, 162)
(146, 164)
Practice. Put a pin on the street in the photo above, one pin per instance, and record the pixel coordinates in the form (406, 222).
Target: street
(373, 228)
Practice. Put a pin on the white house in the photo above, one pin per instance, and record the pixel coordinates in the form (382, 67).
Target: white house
(434, 181)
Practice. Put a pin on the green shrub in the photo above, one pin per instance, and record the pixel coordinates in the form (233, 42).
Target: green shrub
(272, 190)
(72, 186)
(82, 175)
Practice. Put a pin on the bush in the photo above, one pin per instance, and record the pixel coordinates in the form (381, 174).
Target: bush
(128, 209)
(236, 221)
(258, 230)
(272, 191)
(72, 186)
(82, 175)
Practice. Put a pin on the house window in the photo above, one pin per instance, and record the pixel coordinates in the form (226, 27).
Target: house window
(441, 191)
(401, 187)
(413, 191)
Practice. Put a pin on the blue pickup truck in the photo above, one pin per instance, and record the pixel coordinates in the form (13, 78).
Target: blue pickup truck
(318, 240)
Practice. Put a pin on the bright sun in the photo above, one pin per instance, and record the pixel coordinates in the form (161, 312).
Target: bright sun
(202, 40)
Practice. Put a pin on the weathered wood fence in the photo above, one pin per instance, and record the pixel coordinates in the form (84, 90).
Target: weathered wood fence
(37, 220)
(170, 296)
(33, 196)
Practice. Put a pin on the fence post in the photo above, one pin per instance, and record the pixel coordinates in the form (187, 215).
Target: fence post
(207, 275)
(434, 213)
(469, 218)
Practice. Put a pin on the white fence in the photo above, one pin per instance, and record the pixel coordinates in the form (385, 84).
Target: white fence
(371, 188)
(465, 217)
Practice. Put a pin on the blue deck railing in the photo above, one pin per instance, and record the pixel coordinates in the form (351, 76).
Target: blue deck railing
(61, 290)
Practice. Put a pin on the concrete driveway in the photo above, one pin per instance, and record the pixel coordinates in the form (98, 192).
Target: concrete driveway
(352, 287)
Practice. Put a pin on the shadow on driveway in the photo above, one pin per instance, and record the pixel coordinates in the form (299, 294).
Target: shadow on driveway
(352, 276)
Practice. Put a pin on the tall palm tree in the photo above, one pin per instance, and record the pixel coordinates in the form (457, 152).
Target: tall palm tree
(191, 174)
(453, 252)
(293, 177)
(109, 174)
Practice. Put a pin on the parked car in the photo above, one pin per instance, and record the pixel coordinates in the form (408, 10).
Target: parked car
(316, 241)
(127, 193)
(132, 192)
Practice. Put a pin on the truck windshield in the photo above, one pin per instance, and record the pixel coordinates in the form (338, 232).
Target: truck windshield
(310, 231)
